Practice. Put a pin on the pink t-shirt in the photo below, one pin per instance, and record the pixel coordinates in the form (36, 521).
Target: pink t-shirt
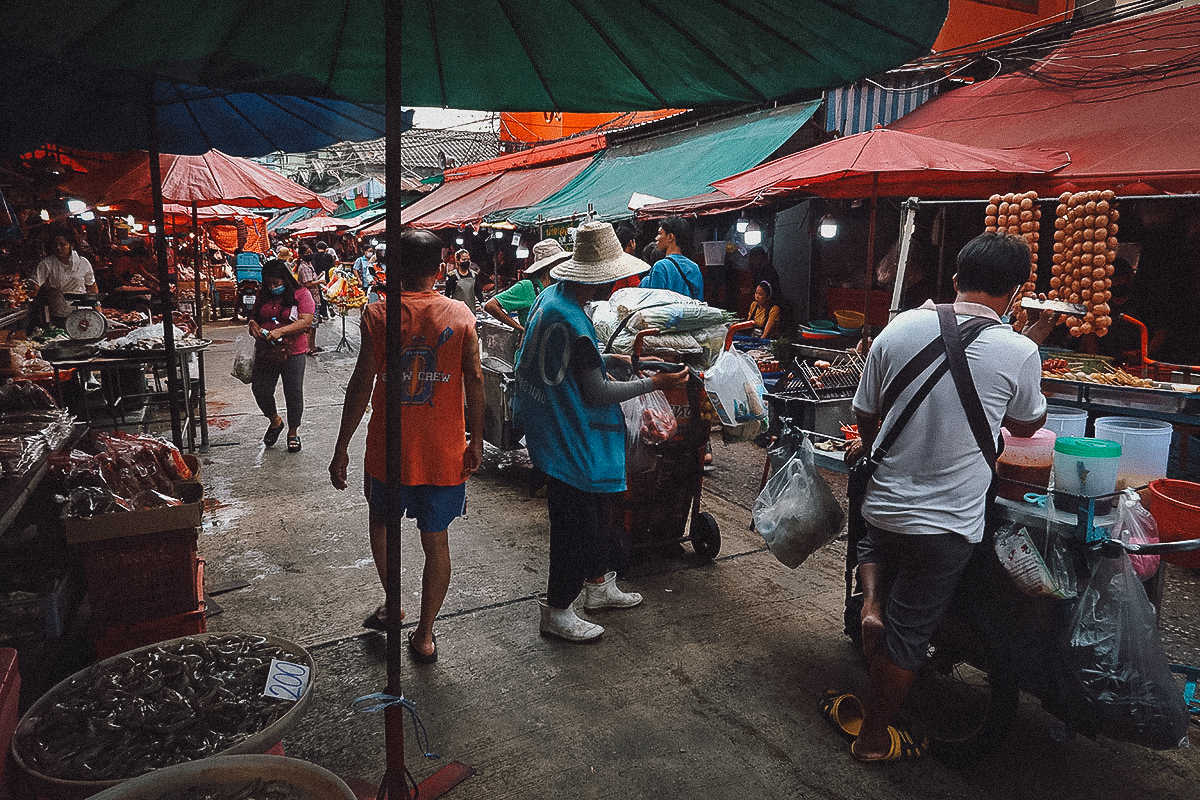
(272, 310)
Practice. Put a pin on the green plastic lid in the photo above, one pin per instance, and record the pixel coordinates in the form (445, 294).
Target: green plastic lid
(1087, 448)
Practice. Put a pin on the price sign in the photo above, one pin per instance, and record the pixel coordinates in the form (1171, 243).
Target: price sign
(286, 680)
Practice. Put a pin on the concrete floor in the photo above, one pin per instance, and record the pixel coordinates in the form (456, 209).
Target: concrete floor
(709, 689)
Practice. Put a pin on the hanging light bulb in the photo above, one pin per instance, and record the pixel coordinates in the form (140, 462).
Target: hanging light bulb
(458, 240)
(522, 252)
(743, 224)
(76, 206)
(828, 227)
(752, 235)
(45, 215)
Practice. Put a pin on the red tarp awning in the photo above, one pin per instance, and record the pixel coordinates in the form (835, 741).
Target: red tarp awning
(468, 201)
(210, 179)
(888, 163)
(1123, 99)
(567, 150)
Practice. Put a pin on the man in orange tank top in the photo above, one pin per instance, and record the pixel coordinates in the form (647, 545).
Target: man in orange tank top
(442, 368)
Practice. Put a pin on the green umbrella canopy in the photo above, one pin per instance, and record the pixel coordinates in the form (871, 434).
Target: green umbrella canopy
(581, 55)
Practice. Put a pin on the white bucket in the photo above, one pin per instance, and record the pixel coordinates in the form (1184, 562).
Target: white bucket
(1066, 421)
(1145, 446)
(714, 254)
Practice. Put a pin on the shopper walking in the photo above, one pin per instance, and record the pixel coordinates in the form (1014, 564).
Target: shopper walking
(439, 341)
(575, 430)
(675, 271)
(279, 322)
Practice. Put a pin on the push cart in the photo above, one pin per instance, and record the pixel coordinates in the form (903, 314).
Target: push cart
(661, 507)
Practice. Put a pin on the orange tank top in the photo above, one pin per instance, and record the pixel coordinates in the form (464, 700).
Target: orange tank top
(432, 422)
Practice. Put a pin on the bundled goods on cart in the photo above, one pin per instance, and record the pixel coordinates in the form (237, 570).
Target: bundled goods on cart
(1085, 246)
(690, 331)
(180, 319)
(118, 472)
(1019, 215)
(345, 291)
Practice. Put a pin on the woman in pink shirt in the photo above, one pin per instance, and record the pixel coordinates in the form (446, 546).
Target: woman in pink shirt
(279, 323)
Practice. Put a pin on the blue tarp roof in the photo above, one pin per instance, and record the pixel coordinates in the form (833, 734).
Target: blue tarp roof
(674, 165)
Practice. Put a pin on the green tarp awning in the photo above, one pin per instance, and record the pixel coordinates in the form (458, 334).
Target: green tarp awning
(674, 165)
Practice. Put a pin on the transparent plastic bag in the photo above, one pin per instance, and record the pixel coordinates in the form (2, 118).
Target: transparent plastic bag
(796, 513)
(735, 387)
(1116, 658)
(649, 421)
(243, 358)
(1038, 571)
(1135, 525)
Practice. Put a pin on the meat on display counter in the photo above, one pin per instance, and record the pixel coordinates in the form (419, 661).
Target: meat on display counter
(1177, 403)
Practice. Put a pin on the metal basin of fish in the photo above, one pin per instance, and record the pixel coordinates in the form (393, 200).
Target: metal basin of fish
(173, 702)
(228, 777)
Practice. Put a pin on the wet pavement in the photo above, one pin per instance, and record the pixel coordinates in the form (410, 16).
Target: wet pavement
(710, 688)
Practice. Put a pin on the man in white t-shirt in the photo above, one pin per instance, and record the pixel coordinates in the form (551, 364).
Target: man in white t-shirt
(925, 503)
(64, 269)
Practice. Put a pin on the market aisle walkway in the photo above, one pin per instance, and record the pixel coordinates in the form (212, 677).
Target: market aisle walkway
(708, 690)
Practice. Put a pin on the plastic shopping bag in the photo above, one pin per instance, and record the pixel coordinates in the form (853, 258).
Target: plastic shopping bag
(243, 358)
(735, 387)
(649, 421)
(1043, 571)
(796, 512)
(1135, 525)
(1118, 665)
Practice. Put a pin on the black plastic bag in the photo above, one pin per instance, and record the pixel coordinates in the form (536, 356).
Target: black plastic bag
(1116, 659)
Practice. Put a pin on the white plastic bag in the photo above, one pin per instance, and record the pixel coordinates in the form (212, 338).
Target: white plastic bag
(1135, 525)
(243, 358)
(734, 386)
(796, 512)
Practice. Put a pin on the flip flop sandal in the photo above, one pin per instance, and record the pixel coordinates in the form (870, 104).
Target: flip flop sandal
(418, 656)
(378, 619)
(293, 444)
(905, 747)
(843, 711)
(272, 434)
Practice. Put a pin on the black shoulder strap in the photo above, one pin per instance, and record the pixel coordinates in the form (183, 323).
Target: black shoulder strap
(681, 274)
(960, 370)
(968, 331)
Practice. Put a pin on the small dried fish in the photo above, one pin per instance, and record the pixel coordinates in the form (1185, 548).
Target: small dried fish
(153, 708)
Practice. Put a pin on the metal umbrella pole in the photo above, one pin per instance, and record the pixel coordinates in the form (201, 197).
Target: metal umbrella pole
(203, 393)
(174, 390)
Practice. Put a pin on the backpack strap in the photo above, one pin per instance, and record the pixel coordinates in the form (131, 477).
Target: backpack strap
(681, 274)
(968, 395)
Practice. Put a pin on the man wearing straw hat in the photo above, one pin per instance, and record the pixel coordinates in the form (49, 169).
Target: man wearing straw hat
(519, 297)
(575, 430)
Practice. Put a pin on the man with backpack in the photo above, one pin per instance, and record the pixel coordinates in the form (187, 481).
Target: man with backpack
(676, 271)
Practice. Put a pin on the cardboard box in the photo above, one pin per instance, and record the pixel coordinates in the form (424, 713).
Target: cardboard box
(132, 523)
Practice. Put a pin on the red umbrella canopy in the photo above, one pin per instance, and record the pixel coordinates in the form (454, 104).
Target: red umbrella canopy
(211, 179)
(890, 163)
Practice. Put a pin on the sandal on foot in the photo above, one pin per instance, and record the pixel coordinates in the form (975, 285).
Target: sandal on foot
(418, 656)
(905, 747)
(293, 444)
(272, 434)
(843, 711)
(378, 619)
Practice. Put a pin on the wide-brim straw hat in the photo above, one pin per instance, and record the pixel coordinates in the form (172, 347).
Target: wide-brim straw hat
(546, 253)
(598, 257)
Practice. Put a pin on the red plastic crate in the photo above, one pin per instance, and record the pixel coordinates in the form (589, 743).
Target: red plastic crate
(10, 694)
(110, 641)
(142, 578)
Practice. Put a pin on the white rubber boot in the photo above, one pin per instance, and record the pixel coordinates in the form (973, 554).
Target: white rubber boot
(566, 624)
(607, 595)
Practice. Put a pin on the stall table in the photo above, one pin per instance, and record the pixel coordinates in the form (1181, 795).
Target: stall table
(113, 361)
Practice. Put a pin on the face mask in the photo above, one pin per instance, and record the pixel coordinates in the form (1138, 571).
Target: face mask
(277, 290)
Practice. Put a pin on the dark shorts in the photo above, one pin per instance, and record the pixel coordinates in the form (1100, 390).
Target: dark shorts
(433, 507)
(922, 571)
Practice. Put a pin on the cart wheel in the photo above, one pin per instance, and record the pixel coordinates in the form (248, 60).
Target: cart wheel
(706, 536)
(964, 711)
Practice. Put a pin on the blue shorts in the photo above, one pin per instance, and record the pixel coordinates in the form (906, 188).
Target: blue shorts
(433, 507)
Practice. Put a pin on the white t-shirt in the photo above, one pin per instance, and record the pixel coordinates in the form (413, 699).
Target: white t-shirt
(935, 479)
(73, 278)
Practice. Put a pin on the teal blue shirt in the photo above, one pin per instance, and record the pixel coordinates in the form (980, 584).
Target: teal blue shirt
(578, 444)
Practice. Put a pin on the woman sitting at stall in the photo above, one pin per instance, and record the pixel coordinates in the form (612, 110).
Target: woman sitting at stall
(279, 323)
(764, 312)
